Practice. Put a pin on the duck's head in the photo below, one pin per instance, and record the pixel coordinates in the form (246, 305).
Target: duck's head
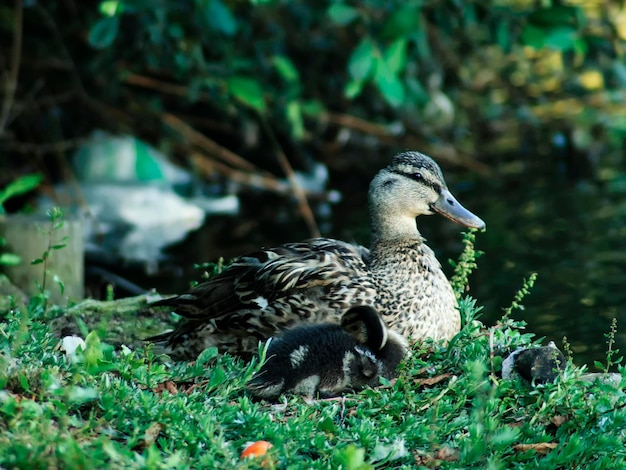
(411, 186)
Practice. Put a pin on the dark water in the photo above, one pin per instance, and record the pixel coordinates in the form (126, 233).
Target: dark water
(571, 231)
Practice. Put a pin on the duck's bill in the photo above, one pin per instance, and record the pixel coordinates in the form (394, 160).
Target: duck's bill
(449, 207)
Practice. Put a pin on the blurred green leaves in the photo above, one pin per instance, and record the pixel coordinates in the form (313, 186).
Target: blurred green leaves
(454, 68)
(104, 32)
(382, 67)
(556, 27)
(21, 185)
(218, 16)
(247, 91)
(342, 14)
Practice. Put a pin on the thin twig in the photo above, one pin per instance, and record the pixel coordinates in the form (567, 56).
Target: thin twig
(298, 192)
(492, 355)
(384, 134)
(148, 82)
(358, 124)
(16, 53)
(205, 143)
(48, 147)
(208, 166)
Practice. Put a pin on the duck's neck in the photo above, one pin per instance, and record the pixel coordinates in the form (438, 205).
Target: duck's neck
(390, 230)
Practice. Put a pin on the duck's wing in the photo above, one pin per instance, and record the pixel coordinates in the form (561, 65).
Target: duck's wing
(254, 281)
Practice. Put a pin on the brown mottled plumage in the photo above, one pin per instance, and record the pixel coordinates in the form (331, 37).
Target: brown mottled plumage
(263, 293)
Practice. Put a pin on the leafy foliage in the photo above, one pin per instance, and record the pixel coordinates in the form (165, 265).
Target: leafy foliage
(21, 185)
(130, 408)
(485, 78)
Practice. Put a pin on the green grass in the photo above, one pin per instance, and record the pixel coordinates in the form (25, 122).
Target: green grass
(108, 409)
(126, 407)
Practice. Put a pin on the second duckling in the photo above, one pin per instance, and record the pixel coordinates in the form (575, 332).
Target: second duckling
(327, 359)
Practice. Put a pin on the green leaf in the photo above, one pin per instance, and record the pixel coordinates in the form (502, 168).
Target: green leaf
(294, 116)
(389, 85)
(9, 259)
(353, 89)
(81, 395)
(21, 185)
(60, 283)
(395, 56)
(416, 91)
(327, 425)
(420, 38)
(93, 349)
(104, 32)
(351, 458)
(194, 89)
(362, 60)
(342, 14)
(248, 91)
(37, 261)
(286, 69)
(533, 36)
(558, 15)
(218, 377)
(580, 47)
(24, 382)
(220, 17)
(402, 23)
(312, 108)
(561, 39)
(206, 356)
(111, 7)
(503, 34)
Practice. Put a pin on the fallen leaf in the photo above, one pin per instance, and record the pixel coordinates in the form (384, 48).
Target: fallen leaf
(167, 385)
(152, 433)
(445, 453)
(149, 437)
(540, 447)
(558, 420)
(389, 451)
(430, 381)
(196, 385)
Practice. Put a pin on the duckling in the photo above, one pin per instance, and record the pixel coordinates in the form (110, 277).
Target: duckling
(327, 359)
(539, 364)
(263, 293)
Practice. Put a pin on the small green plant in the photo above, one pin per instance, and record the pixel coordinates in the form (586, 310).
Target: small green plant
(211, 269)
(611, 354)
(567, 349)
(56, 223)
(466, 264)
(516, 304)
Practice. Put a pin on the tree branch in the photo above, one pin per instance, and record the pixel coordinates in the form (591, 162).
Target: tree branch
(16, 53)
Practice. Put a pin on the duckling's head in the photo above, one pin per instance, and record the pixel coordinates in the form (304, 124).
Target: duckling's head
(411, 186)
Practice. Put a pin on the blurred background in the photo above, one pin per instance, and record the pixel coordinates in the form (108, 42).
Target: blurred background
(191, 130)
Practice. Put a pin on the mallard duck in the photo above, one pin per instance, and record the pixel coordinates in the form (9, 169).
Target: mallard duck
(273, 289)
(327, 359)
